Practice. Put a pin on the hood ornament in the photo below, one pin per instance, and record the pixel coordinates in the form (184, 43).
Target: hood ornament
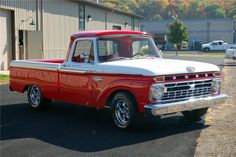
(190, 69)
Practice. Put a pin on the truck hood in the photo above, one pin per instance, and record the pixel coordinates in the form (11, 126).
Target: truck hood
(153, 67)
(203, 45)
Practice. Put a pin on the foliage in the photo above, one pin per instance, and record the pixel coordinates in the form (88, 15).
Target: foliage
(215, 11)
(4, 77)
(185, 9)
(177, 32)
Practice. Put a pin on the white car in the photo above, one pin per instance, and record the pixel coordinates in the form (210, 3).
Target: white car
(231, 53)
(216, 45)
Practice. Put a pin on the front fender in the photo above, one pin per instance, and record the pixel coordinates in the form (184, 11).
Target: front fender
(138, 88)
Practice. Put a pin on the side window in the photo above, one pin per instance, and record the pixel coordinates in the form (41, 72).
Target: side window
(220, 43)
(214, 43)
(83, 52)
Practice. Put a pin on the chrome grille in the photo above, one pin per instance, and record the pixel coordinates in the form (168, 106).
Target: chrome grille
(186, 90)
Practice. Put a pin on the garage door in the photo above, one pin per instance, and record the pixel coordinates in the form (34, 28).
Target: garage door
(6, 41)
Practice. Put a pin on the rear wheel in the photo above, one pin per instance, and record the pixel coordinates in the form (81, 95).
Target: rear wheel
(124, 110)
(36, 99)
(195, 115)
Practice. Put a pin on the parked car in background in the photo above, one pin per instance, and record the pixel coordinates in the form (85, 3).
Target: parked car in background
(216, 45)
(231, 53)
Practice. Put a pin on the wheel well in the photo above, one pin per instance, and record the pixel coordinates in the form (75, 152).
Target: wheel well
(108, 102)
(25, 88)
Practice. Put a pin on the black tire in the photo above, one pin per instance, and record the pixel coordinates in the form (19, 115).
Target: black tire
(124, 110)
(206, 49)
(195, 115)
(36, 99)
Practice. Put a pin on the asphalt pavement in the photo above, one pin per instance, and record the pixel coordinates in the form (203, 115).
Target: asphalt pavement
(66, 130)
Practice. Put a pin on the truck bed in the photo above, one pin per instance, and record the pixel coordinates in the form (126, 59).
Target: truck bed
(43, 72)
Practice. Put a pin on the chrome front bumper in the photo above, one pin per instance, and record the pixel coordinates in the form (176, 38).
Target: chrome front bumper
(186, 105)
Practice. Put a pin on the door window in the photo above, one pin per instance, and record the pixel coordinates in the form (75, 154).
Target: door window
(83, 52)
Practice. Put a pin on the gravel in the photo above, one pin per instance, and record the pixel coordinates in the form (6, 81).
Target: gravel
(218, 139)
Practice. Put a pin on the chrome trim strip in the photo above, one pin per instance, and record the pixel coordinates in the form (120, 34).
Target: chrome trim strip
(75, 70)
(34, 65)
(187, 105)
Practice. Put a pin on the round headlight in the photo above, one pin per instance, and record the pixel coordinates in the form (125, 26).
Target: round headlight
(159, 93)
(216, 87)
(156, 92)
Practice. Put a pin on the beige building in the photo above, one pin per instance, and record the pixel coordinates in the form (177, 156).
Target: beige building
(199, 30)
(34, 29)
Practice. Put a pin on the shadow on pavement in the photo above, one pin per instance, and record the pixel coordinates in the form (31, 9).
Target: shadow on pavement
(83, 129)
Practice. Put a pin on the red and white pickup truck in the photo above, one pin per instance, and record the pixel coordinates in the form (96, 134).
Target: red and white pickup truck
(121, 70)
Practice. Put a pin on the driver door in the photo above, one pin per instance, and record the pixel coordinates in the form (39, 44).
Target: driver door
(75, 75)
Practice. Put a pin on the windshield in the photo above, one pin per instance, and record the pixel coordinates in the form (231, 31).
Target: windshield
(126, 47)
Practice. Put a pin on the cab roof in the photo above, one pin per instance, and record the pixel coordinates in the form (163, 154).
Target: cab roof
(84, 34)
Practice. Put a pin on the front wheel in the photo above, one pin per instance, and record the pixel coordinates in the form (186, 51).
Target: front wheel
(195, 115)
(207, 49)
(124, 110)
(36, 99)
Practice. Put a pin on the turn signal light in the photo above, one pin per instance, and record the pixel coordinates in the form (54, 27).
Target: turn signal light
(159, 79)
(216, 74)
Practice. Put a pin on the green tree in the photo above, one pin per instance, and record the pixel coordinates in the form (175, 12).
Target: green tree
(215, 11)
(232, 12)
(177, 33)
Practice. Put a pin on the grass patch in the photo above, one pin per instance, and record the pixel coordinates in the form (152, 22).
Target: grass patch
(4, 77)
(211, 55)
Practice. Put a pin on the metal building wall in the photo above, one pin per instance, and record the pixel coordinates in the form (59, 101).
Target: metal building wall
(60, 20)
(118, 20)
(104, 19)
(23, 10)
(98, 18)
(205, 30)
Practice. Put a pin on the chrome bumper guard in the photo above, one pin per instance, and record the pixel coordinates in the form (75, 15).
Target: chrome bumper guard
(186, 105)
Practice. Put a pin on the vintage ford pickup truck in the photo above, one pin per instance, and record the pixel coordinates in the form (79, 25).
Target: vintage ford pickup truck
(121, 70)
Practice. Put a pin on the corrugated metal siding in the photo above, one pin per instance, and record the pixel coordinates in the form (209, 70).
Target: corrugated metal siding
(98, 21)
(98, 18)
(23, 9)
(118, 20)
(60, 20)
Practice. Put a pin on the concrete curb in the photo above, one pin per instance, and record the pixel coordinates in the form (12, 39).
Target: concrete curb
(4, 72)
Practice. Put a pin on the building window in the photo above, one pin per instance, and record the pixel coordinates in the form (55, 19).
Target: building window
(114, 27)
(132, 23)
(81, 17)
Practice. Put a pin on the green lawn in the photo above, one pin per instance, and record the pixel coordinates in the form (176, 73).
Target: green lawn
(4, 77)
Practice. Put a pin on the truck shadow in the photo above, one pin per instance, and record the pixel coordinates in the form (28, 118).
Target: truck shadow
(83, 129)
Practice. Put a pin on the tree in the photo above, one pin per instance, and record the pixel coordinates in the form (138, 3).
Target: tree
(177, 33)
(215, 11)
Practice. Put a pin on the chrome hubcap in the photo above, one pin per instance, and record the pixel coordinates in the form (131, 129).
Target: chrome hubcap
(34, 96)
(122, 112)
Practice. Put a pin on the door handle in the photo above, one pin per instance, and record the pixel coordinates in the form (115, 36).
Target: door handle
(97, 78)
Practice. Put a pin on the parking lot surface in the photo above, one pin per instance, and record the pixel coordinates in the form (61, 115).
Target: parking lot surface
(68, 130)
